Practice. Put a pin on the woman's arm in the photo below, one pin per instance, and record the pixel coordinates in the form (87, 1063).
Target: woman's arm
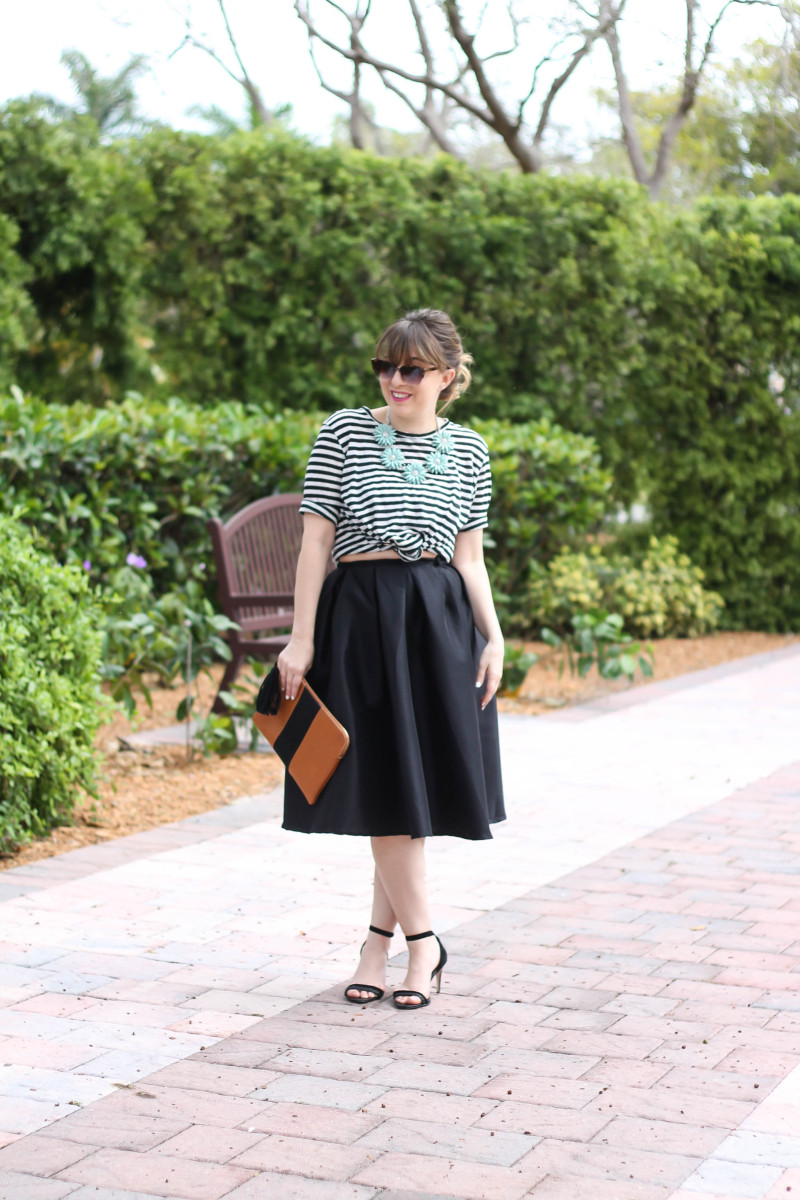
(312, 563)
(468, 561)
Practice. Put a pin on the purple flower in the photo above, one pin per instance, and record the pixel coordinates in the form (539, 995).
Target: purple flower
(87, 566)
(136, 560)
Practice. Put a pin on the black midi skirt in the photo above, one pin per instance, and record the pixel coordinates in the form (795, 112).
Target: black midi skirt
(395, 658)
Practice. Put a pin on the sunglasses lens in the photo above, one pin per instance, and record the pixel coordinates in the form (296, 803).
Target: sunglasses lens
(386, 370)
(411, 374)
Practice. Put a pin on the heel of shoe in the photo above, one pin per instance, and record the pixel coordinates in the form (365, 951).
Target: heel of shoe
(439, 972)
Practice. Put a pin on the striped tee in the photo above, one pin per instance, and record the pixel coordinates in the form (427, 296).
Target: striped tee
(372, 506)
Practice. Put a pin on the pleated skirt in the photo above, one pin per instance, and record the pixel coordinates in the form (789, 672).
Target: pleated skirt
(395, 658)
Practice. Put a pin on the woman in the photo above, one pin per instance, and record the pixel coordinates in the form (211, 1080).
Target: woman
(399, 496)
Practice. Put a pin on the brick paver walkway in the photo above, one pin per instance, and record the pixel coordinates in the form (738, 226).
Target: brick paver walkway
(620, 1012)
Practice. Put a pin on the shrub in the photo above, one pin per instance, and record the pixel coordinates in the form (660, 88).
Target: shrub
(260, 267)
(660, 596)
(80, 209)
(144, 634)
(50, 705)
(17, 322)
(597, 639)
(143, 477)
(718, 417)
(549, 490)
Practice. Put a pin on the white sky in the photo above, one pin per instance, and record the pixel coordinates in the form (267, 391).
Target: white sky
(275, 49)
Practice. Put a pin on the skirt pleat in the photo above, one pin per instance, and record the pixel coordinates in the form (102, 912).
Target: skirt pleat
(395, 657)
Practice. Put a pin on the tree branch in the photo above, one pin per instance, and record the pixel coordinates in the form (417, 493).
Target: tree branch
(362, 56)
(692, 76)
(690, 84)
(428, 115)
(528, 157)
(630, 134)
(515, 24)
(607, 18)
(251, 89)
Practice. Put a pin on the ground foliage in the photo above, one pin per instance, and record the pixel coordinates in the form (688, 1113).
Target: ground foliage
(50, 703)
(259, 268)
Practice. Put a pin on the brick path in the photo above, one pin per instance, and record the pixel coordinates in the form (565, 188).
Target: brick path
(620, 1012)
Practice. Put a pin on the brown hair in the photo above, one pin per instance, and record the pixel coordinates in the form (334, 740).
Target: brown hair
(430, 335)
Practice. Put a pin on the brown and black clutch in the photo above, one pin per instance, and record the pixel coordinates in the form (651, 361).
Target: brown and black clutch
(303, 733)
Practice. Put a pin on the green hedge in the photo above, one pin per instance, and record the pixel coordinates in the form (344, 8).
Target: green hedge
(259, 268)
(50, 706)
(718, 426)
(144, 477)
(549, 491)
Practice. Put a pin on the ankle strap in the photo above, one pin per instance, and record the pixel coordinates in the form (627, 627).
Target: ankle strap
(382, 932)
(415, 937)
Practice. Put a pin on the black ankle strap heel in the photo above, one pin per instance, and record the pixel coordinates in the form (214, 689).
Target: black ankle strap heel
(436, 973)
(375, 993)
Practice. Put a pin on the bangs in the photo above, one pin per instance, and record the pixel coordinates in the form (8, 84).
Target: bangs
(410, 339)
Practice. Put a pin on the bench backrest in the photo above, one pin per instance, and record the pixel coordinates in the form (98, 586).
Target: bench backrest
(256, 554)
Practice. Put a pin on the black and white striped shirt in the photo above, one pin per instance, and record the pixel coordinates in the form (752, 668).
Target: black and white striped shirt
(374, 508)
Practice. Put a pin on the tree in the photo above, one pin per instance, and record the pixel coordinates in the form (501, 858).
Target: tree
(471, 87)
(109, 100)
(223, 124)
(742, 135)
(259, 111)
(767, 89)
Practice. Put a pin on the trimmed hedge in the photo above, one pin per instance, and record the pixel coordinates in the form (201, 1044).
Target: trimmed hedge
(549, 491)
(50, 704)
(718, 427)
(144, 477)
(261, 268)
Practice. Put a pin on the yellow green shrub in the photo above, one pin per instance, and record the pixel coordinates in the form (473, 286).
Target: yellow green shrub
(661, 595)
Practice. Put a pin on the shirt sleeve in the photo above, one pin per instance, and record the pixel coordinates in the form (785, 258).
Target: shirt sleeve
(478, 515)
(322, 488)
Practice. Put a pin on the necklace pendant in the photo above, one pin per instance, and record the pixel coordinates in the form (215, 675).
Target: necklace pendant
(443, 441)
(437, 462)
(384, 435)
(393, 458)
(414, 472)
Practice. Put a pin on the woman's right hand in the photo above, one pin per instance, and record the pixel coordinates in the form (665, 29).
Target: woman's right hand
(293, 663)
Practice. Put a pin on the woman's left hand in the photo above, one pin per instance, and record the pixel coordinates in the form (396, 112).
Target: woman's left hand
(490, 668)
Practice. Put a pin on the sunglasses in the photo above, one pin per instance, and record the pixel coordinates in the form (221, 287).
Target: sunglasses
(386, 370)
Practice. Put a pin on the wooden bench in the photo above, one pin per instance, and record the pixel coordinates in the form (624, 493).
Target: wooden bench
(256, 557)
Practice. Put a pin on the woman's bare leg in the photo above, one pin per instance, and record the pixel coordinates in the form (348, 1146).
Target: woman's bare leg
(372, 964)
(400, 865)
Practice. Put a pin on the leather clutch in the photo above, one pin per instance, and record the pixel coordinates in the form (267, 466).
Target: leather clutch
(303, 733)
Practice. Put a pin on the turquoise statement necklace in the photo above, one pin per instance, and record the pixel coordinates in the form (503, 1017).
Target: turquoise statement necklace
(393, 458)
